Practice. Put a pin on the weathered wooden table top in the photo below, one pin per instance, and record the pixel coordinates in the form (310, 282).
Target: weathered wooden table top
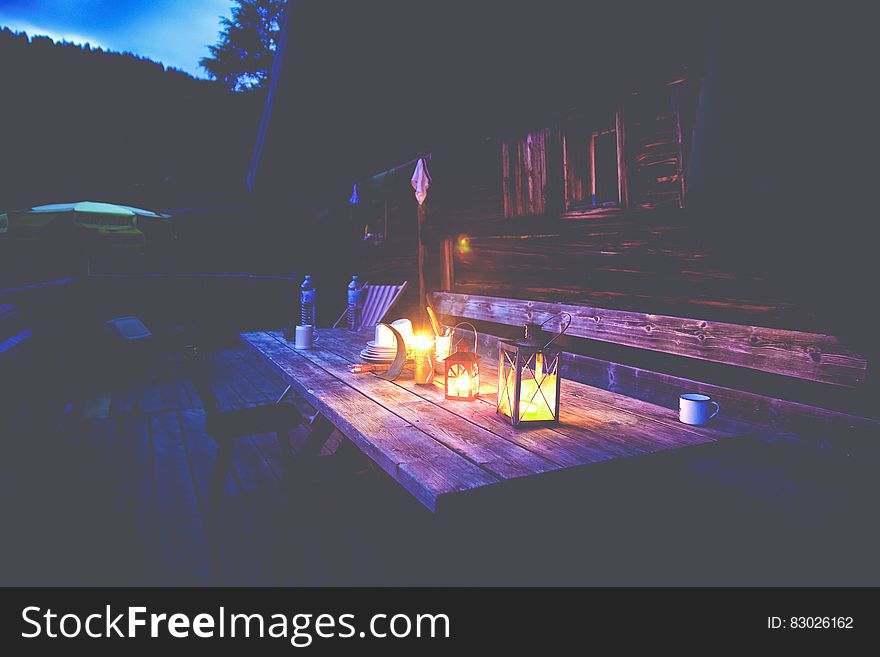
(436, 448)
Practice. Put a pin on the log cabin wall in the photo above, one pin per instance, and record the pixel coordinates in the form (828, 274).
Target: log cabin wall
(523, 219)
(521, 216)
(541, 232)
(733, 194)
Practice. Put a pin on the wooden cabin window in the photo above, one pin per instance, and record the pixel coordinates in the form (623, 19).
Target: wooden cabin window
(603, 169)
(660, 124)
(593, 169)
(524, 174)
(635, 159)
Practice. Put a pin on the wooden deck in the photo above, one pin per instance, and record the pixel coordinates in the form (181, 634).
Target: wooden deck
(112, 492)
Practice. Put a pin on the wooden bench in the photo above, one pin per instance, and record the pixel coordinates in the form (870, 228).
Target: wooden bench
(811, 357)
(789, 429)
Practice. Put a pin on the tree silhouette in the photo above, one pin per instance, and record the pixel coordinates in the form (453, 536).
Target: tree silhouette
(85, 122)
(242, 57)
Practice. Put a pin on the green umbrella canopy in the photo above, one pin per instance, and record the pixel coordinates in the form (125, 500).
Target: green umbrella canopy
(119, 219)
(92, 207)
(34, 215)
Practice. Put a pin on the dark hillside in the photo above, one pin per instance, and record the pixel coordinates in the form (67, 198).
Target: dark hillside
(85, 123)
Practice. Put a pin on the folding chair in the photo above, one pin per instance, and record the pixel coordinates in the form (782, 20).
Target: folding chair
(376, 302)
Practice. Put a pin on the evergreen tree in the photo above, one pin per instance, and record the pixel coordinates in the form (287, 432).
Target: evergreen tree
(242, 58)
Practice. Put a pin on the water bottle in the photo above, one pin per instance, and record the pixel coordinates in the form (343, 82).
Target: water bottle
(354, 307)
(307, 302)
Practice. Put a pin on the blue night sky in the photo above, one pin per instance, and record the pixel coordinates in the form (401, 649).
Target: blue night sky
(173, 32)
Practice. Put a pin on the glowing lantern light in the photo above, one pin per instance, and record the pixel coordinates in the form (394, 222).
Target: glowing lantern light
(463, 371)
(442, 346)
(423, 359)
(529, 379)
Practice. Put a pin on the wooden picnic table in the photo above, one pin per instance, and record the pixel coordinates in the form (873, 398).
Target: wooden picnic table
(437, 449)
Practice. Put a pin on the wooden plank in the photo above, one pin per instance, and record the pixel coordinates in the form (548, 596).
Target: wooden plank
(596, 425)
(499, 456)
(174, 391)
(553, 256)
(421, 465)
(544, 442)
(568, 444)
(228, 396)
(234, 538)
(149, 398)
(804, 355)
(133, 479)
(231, 377)
(182, 547)
(125, 396)
(261, 472)
(260, 375)
(590, 394)
(661, 391)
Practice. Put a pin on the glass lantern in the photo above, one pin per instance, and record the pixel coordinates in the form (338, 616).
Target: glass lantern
(528, 379)
(462, 368)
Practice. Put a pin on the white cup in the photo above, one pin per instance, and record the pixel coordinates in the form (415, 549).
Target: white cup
(696, 409)
(305, 337)
(405, 328)
(383, 336)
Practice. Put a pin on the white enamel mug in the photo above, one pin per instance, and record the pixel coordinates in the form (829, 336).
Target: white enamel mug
(305, 337)
(696, 409)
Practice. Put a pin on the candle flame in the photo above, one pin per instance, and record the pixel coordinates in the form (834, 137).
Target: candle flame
(422, 342)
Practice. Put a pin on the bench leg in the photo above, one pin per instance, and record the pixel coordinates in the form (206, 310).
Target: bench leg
(302, 463)
(319, 431)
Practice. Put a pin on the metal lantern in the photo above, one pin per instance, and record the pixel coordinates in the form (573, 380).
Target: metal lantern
(529, 378)
(462, 369)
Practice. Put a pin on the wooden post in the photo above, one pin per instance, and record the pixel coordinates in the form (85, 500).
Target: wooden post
(422, 315)
(622, 182)
(676, 118)
(447, 273)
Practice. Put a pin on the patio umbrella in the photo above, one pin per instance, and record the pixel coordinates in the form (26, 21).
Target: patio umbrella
(106, 222)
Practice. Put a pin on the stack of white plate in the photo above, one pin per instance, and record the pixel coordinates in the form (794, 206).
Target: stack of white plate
(374, 353)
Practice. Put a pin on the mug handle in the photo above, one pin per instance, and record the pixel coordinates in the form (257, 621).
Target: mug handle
(717, 409)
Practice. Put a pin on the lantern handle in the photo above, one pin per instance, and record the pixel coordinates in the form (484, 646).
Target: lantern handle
(566, 324)
(473, 328)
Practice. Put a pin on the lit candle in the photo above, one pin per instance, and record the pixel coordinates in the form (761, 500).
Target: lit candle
(464, 384)
(423, 359)
(534, 405)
